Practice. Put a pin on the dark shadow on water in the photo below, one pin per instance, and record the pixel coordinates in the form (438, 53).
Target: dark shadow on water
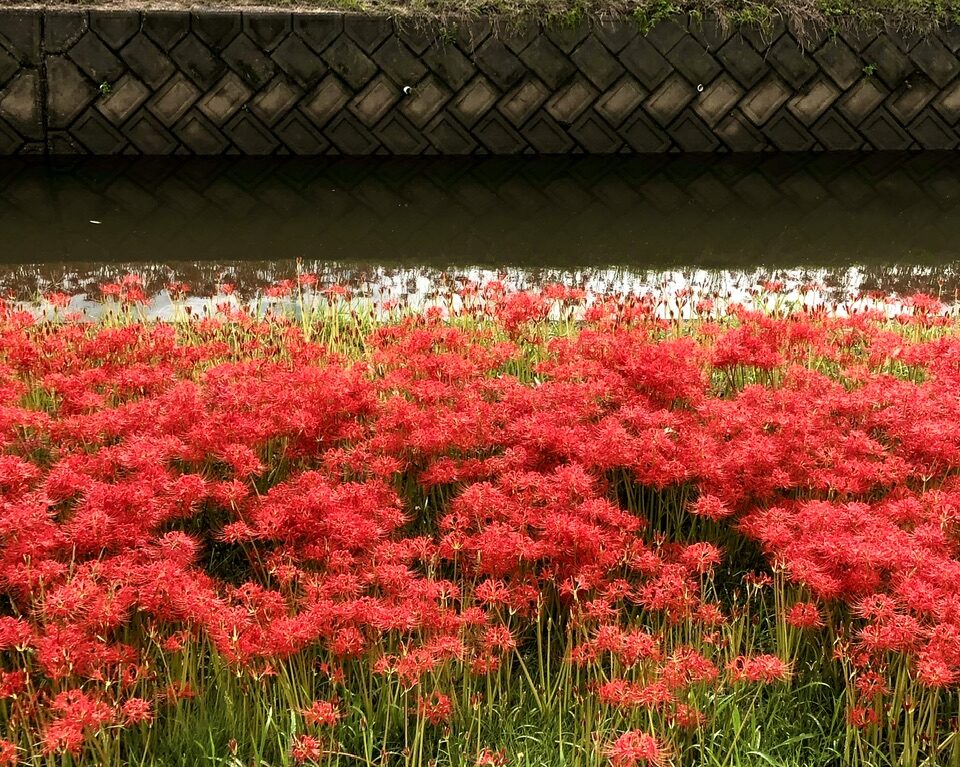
(736, 212)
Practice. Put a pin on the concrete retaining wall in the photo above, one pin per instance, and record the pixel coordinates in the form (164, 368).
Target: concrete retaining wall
(210, 82)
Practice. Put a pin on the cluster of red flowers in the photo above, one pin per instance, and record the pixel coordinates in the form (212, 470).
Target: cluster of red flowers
(416, 500)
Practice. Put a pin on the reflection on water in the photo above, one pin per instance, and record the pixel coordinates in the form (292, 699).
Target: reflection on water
(896, 217)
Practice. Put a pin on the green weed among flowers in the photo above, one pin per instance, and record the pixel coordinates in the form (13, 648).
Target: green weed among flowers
(522, 528)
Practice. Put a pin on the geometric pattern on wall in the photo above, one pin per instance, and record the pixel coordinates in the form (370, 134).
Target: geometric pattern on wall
(261, 83)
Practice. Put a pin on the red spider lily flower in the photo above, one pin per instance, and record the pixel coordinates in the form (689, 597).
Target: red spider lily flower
(136, 711)
(637, 749)
(436, 707)
(322, 713)
(490, 758)
(804, 615)
(8, 754)
(306, 748)
(765, 669)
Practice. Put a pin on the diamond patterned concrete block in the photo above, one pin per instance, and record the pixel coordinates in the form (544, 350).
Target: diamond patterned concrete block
(474, 101)
(859, 36)
(620, 101)
(596, 63)
(594, 135)
(518, 36)
(399, 62)
(568, 36)
(546, 136)
(548, 62)
(350, 137)
(373, 102)
(947, 103)
(267, 29)
(449, 64)
(299, 61)
(518, 105)
(883, 132)
(326, 100)
(366, 31)
(197, 61)
(9, 66)
(718, 99)
(949, 35)
(499, 63)
(348, 61)
(615, 33)
(147, 61)
(643, 136)
(736, 132)
(216, 29)
(125, 98)
(693, 62)
(936, 60)
(199, 135)
(836, 134)
(62, 143)
(68, 91)
(691, 134)
(666, 34)
(318, 30)
(743, 62)
(299, 136)
(247, 60)
(645, 62)
(497, 135)
(173, 100)
(791, 62)
(416, 34)
(762, 36)
(891, 65)
(222, 101)
(571, 101)
(61, 29)
(97, 135)
(20, 33)
(20, 105)
(115, 28)
(250, 135)
(166, 28)
(148, 135)
(711, 31)
(447, 136)
(840, 63)
(815, 99)
(787, 133)
(761, 102)
(428, 98)
(400, 136)
(909, 99)
(930, 132)
(275, 100)
(96, 59)
(862, 99)
(670, 99)
(10, 141)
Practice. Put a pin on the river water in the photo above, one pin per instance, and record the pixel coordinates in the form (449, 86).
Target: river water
(870, 221)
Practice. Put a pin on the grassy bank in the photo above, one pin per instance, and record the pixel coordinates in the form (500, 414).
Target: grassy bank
(810, 17)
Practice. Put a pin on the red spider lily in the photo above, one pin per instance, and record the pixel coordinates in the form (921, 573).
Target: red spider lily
(636, 749)
(765, 669)
(306, 748)
(322, 713)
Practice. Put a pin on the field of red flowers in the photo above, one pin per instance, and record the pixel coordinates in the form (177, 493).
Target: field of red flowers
(527, 532)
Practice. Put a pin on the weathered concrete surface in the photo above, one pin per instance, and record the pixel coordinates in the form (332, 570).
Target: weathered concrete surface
(213, 82)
